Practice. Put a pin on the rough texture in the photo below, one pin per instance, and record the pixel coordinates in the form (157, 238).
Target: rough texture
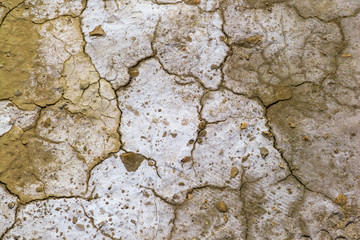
(180, 119)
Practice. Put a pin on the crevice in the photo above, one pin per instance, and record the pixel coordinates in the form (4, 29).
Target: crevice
(182, 76)
(42, 182)
(92, 221)
(9, 191)
(190, 191)
(55, 197)
(173, 220)
(201, 127)
(13, 224)
(356, 11)
(9, 11)
(226, 41)
(290, 167)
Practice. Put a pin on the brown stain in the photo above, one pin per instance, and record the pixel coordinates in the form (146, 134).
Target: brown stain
(282, 92)
(25, 76)
(18, 50)
(10, 3)
(18, 170)
(24, 156)
(132, 161)
(27, 159)
(314, 154)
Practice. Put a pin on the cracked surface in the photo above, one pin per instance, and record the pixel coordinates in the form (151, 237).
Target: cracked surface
(171, 119)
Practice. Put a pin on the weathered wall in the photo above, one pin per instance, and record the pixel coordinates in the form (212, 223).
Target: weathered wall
(170, 119)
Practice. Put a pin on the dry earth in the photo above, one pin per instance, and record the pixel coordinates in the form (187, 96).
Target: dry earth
(180, 119)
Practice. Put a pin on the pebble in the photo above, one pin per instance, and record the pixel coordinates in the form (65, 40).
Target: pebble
(245, 158)
(243, 125)
(346, 55)
(11, 205)
(264, 152)
(97, 32)
(326, 136)
(341, 199)
(134, 73)
(234, 171)
(80, 227)
(254, 39)
(221, 206)
(266, 134)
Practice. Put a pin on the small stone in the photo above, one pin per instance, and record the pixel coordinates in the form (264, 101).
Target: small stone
(292, 125)
(245, 158)
(134, 73)
(18, 93)
(80, 227)
(306, 138)
(39, 189)
(202, 133)
(341, 199)
(132, 161)
(346, 55)
(47, 123)
(84, 86)
(264, 152)
(214, 66)
(202, 125)
(234, 171)
(243, 125)
(266, 134)
(97, 32)
(254, 39)
(282, 165)
(186, 159)
(326, 136)
(221, 206)
(11, 205)
(226, 219)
